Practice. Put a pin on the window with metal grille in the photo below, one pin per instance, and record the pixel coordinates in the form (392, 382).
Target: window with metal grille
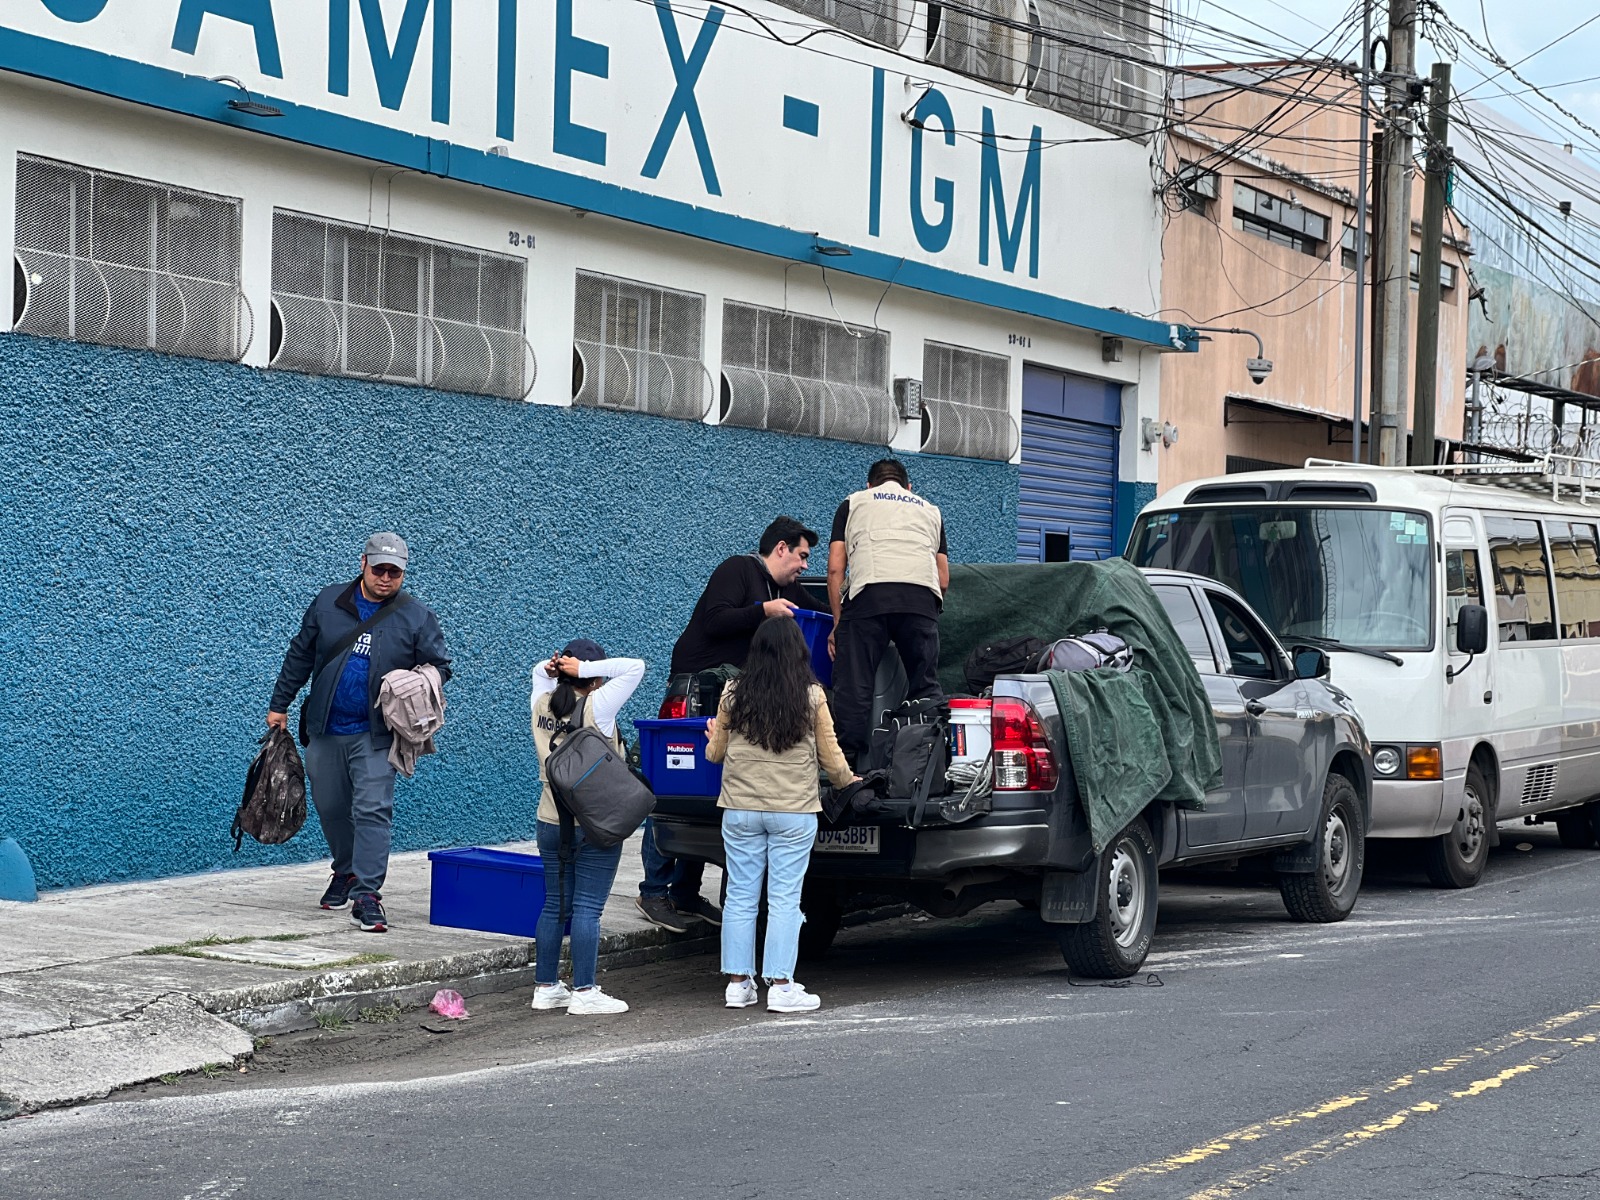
(638, 348)
(966, 398)
(348, 300)
(800, 374)
(1099, 61)
(883, 21)
(1278, 220)
(126, 262)
(982, 39)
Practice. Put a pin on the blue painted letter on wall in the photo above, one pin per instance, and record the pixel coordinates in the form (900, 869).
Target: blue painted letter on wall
(76, 11)
(684, 107)
(992, 187)
(932, 236)
(186, 33)
(576, 54)
(391, 69)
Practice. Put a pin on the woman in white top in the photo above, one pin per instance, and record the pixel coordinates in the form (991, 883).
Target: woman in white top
(581, 673)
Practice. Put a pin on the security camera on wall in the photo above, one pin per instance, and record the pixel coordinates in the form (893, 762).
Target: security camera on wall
(1259, 369)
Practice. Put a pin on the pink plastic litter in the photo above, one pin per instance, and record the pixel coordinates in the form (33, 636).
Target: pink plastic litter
(449, 1003)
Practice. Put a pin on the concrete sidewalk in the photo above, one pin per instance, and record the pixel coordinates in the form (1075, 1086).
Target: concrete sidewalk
(107, 986)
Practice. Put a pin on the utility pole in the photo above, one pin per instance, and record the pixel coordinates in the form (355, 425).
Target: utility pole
(1364, 79)
(1392, 284)
(1426, 392)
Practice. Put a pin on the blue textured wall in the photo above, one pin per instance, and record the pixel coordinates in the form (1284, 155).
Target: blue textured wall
(1132, 496)
(164, 522)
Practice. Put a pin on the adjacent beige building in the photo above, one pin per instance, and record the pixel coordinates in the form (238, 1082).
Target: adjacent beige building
(1260, 235)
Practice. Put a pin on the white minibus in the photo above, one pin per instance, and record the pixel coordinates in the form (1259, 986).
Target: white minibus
(1458, 607)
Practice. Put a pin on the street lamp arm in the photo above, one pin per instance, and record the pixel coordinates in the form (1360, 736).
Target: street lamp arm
(1261, 350)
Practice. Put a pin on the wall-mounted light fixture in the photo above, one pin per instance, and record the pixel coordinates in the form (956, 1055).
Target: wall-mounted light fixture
(250, 106)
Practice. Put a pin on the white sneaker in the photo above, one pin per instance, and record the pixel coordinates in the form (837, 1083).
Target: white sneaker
(740, 993)
(551, 995)
(588, 1002)
(791, 997)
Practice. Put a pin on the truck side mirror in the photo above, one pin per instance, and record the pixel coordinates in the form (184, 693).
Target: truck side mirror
(1472, 629)
(1310, 663)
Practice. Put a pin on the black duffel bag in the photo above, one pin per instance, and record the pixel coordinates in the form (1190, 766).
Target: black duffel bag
(1009, 656)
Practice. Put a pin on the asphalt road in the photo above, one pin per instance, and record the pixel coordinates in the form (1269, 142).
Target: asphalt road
(1437, 1044)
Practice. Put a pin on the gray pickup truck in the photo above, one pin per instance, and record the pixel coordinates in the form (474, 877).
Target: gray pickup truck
(1294, 795)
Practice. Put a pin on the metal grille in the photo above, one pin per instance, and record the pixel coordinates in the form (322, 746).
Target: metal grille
(1541, 785)
(983, 39)
(883, 21)
(1104, 65)
(348, 300)
(638, 348)
(126, 262)
(966, 398)
(799, 374)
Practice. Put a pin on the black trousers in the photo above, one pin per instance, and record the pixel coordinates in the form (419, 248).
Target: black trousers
(858, 648)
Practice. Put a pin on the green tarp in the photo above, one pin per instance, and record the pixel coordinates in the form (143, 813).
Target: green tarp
(1145, 735)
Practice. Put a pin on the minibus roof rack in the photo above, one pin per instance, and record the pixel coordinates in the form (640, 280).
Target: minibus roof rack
(1565, 476)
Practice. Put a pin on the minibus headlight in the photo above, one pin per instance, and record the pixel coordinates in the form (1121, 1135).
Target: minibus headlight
(1386, 760)
(1424, 762)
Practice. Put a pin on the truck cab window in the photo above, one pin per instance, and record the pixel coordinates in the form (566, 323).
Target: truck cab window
(1248, 652)
(1186, 619)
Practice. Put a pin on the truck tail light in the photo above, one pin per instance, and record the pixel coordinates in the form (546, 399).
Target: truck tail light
(673, 708)
(1023, 761)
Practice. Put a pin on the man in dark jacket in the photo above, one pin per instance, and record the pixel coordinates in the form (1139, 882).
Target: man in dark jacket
(341, 726)
(742, 592)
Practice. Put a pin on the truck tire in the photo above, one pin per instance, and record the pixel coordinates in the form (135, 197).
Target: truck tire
(1576, 829)
(824, 914)
(1457, 859)
(1594, 817)
(1329, 892)
(1113, 945)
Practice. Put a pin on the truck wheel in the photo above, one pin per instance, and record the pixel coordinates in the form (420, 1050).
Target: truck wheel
(1576, 828)
(824, 914)
(1594, 818)
(1457, 859)
(1113, 945)
(1329, 892)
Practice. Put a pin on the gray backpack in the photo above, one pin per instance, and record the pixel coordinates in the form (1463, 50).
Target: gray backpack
(594, 786)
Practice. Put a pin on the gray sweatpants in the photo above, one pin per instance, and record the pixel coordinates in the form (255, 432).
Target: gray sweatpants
(352, 786)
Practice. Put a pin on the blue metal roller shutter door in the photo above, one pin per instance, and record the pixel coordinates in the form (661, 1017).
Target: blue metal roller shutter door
(1069, 487)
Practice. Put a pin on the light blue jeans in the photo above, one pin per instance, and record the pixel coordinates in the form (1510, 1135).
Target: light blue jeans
(778, 846)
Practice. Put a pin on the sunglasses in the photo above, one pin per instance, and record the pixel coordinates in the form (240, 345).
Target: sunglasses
(386, 570)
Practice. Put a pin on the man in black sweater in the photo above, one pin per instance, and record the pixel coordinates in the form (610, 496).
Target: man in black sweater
(743, 592)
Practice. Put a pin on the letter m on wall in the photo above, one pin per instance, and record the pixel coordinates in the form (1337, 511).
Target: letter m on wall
(992, 201)
(391, 61)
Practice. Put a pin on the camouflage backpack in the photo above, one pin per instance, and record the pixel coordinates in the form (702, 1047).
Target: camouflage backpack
(274, 804)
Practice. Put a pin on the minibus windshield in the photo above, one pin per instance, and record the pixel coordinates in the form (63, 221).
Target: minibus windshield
(1358, 576)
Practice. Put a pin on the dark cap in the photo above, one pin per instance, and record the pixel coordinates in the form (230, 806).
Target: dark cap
(583, 650)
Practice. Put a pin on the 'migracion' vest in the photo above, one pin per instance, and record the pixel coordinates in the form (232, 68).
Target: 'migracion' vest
(892, 536)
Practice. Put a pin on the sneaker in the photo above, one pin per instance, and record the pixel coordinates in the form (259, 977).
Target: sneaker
(740, 993)
(338, 893)
(367, 912)
(551, 995)
(658, 910)
(591, 1001)
(791, 997)
(702, 908)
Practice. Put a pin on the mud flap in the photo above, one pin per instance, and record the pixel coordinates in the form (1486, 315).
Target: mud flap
(1069, 897)
(1297, 860)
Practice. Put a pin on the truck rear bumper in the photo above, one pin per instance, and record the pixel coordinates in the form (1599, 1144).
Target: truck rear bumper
(1007, 840)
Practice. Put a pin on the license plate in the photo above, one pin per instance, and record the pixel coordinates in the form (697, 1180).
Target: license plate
(853, 839)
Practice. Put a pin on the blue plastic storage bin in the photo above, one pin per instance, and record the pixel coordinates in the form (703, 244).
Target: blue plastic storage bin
(816, 626)
(672, 753)
(497, 891)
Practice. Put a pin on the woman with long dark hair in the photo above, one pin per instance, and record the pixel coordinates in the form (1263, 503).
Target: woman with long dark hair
(581, 675)
(771, 730)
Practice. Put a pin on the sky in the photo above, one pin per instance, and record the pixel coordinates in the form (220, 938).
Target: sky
(1569, 70)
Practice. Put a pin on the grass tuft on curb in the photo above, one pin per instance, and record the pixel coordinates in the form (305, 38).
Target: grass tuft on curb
(192, 948)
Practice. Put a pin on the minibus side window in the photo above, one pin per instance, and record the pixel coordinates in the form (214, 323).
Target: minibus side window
(1521, 580)
(1462, 587)
(1575, 559)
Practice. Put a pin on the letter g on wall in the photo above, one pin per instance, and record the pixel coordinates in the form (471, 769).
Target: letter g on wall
(932, 236)
(77, 11)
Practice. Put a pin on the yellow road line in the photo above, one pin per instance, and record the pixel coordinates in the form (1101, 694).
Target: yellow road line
(1542, 1032)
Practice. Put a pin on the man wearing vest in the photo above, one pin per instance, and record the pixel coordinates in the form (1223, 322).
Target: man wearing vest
(888, 568)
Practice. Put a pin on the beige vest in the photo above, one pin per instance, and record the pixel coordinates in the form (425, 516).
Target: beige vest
(892, 536)
(545, 725)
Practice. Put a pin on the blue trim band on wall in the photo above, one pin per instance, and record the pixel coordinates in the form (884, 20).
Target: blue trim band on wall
(196, 96)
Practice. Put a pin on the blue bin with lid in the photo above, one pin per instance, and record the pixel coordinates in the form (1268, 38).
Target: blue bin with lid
(672, 754)
(815, 627)
(496, 891)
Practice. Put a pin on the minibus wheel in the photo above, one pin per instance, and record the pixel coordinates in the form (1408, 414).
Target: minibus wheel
(1575, 829)
(1113, 945)
(1457, 859)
